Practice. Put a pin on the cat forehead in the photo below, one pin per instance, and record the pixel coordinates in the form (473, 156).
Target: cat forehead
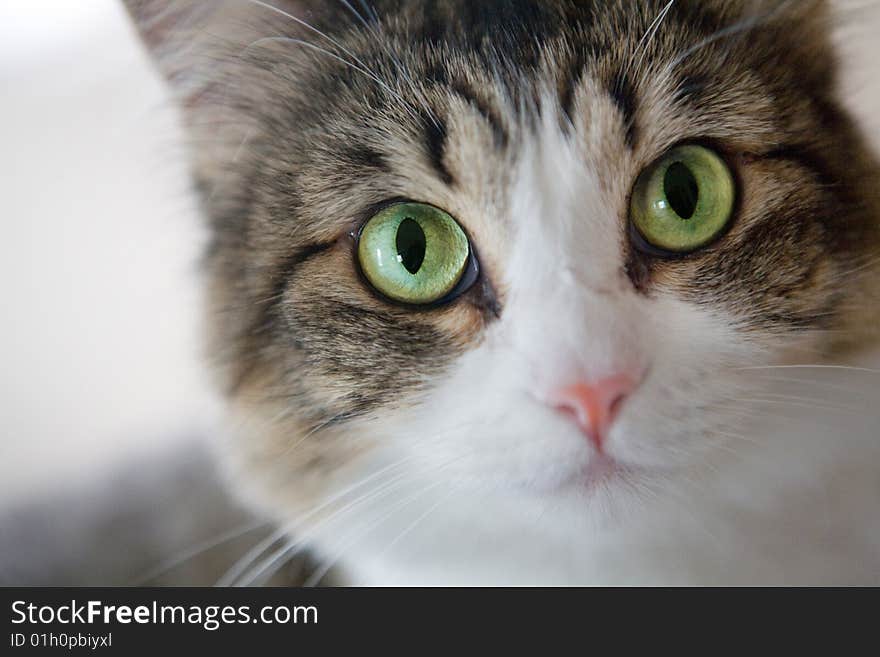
(457, 138)
(442, 106)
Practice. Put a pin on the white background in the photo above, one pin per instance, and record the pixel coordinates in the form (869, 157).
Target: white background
(99, 349)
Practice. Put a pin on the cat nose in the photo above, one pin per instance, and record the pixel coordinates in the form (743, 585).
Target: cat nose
(594, 406)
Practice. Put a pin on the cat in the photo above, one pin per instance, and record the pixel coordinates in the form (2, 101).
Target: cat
(554, 292)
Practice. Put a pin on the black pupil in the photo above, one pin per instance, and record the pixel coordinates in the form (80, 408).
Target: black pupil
(682, 190)
(411, 245)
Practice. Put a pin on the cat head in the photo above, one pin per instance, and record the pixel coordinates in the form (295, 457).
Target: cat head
(529, 246)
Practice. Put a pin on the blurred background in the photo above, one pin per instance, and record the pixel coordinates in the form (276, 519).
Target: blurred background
(106, 414)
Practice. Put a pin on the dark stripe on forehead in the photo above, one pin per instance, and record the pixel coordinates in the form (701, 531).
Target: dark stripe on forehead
(489, 113)
(568, 87)
(365, 157)
(697, 16)
(511, 24)
(435, 142)
(691, 89)
(623, 95)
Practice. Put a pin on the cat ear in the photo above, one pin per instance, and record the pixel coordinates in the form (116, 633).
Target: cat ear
(182, 34)
(199, 47)
(807, 27)
(810, 16)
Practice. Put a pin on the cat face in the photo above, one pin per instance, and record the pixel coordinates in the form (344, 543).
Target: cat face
(570, 336)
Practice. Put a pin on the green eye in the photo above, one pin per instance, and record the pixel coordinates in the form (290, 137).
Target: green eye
(413, 253)
(684, 201)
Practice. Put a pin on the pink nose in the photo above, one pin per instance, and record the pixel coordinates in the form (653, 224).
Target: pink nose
(594, 406)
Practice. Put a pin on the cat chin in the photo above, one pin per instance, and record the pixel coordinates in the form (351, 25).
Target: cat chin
(602, 476)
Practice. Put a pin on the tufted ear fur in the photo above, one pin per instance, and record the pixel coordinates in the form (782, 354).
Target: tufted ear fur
(203, 49)
(808, 24)
(804, 25)
(186, 37)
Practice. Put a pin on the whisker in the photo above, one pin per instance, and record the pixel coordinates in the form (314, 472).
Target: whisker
(796, 404)
(407, 107)
(400, 68)
(843, 368)
(369, 9)
(355, 12)
(818, 401)
(738, 436)
(354, 62)
(313, 431)
(235, 158)
(322, 570)
(263, 571)
(292, 549)
(641, 49)
(197, 550)
(751, 411)
(415, 523)
(745, 25)
(813, 383)
(240, 566)
(306, 25)
(234, 572)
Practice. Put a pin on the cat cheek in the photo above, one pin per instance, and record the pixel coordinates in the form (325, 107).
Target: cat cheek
(464, 323)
